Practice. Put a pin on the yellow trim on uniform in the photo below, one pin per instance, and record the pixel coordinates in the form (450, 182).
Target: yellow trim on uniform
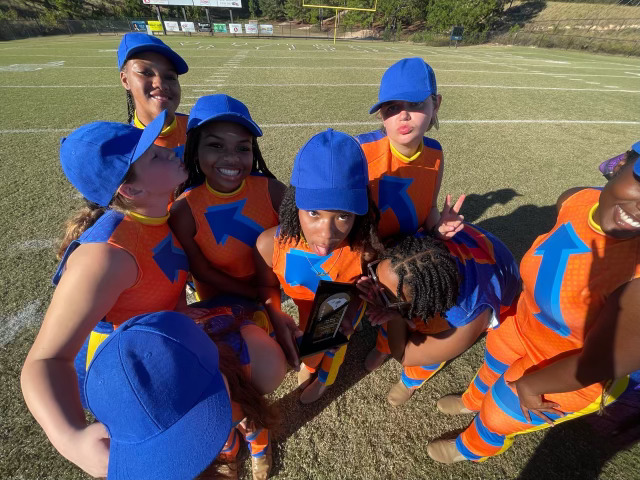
(404, 158)
(592, 222)
(95, 339)
(148, 220)
(165, 131)
(610, 395)
(223, 194)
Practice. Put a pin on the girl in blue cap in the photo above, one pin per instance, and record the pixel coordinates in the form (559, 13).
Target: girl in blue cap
(118, 259)
(229, 199)
(149, 72)
(405, 166)
(327, 230)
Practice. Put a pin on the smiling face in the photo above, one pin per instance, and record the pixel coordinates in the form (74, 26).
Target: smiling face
(619, 211)
(407, 122)
(225, 154)
(325, 230)
(153, 83)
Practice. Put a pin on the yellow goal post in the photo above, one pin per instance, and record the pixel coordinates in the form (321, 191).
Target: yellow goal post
(336, 8)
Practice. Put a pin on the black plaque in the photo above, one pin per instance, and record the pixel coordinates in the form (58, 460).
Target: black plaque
(334, 304)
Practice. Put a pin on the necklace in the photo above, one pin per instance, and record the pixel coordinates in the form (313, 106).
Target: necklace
(321, 272)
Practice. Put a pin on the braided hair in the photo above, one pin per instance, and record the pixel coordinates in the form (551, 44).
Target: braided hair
(363, 235)
(429, 270)
(191, 162)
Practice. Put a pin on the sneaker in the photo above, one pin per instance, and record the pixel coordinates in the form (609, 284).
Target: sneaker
(444, 451)
(374, 359)
(399, 394)
(305, 377)
(261, 466)
(452, 405)
(313, 392)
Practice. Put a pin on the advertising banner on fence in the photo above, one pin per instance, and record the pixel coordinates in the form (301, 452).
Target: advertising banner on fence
(220, 27)
(204, 27)
(139, 26)
(167, 2)
(155, 26)
(187, 27)
(172, 26)
(251, 28)
(235, 28)
(217, 3)
(266, 29)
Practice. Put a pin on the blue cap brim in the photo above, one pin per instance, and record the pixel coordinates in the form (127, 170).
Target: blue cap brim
(149, 135)
(179, 64)
(636, 168)
(226, 117)
(415, 96)
(354, 200)
(182, 451)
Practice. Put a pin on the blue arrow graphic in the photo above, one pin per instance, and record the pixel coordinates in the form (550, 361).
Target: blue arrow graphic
(555, 252)
(179, 151)
(299, 269)
(392, 193)
(170, 258)
(228, 221)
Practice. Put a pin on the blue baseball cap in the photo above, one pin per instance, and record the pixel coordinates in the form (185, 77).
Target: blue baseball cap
(155, 384)
(133, 43)
(96, 157)
(221, 108)
(330, 173)
(410, 80)
(636, 167)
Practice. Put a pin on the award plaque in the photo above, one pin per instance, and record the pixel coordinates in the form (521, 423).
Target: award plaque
(334, 304)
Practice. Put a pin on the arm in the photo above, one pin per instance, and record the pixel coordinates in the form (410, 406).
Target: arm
(416, 349)
(610, 351)
(448, 222)
(95, 276)
(184, 228)
(276, 192)
(269, 293)
(433, 216)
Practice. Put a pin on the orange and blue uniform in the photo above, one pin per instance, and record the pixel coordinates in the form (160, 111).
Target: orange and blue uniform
(489, 280)
(567, 275)
(162, 273)
(299, 271)
(402, 187)
(224, 321)
(174, 136)
(228, 224)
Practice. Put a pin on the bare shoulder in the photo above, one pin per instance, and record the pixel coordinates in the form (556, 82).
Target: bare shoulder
(565, 196)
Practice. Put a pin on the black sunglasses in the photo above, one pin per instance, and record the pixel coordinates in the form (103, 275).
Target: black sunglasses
(402, 307)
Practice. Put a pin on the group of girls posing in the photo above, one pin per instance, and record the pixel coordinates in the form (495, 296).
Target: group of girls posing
(560, 340)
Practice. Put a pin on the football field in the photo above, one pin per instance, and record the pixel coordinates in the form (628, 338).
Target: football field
(518, 126)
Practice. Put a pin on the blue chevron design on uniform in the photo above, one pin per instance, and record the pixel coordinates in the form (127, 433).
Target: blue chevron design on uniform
(392, 193)
(228, 221)
(170, 258)
(299, 269)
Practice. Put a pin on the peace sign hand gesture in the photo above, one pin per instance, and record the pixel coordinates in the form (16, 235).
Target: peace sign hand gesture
(450, 221)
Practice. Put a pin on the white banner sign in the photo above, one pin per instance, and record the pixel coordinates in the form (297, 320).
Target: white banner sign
(168, 2)
(187, 27)
(251, 28)
(266, 29)
(235, 28)
(172, 26)
(215, 3)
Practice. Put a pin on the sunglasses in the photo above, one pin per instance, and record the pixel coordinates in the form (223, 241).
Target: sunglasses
(383, 300)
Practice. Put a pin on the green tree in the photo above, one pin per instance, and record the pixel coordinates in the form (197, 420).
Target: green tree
(272, 9)
(70, 8)
(254, 8)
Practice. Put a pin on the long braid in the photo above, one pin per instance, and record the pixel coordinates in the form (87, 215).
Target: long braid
(363, 235)
(430, 272)
(131, 107)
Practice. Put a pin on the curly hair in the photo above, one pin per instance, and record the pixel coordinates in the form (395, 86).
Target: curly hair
(362, 237)
(430, 272)
(192, 164)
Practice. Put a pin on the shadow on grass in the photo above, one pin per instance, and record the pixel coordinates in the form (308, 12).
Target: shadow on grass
(521, 13)
(351, 372)
(518, 229)
(580, 448)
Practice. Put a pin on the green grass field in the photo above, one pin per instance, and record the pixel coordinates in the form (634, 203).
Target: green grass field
(518, 127)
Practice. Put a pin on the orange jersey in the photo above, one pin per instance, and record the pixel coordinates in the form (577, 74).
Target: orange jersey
(162, 264)
(228, 224)
(567, 276)
(174, 136)
(300, 271)
(402, 188)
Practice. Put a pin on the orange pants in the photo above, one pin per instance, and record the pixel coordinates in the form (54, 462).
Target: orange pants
(257, 438)
(500, 417)
(412, 377)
